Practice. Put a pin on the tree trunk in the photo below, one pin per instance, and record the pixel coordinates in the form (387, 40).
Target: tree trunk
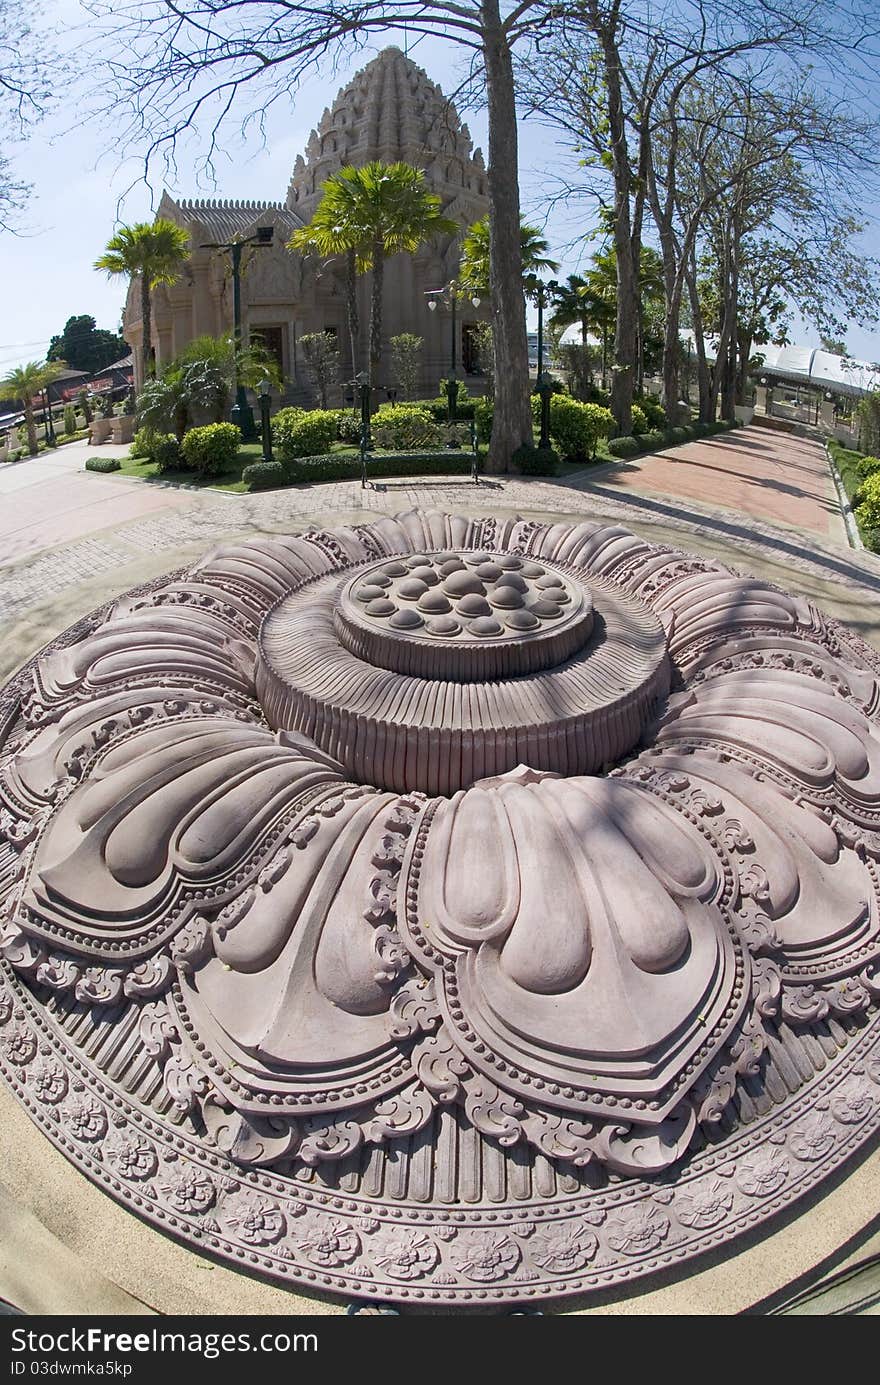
(512, 423)
(147, 328)
(378, 258)
(704, 379)
(728, 401)
(626, 328)
(744, 351)
(354, 325)
(30, 424)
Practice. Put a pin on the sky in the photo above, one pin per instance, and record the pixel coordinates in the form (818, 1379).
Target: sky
(83, 188)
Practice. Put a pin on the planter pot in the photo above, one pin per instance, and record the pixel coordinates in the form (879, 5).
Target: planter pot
(99, 430)
(744, 413)
(122, 428)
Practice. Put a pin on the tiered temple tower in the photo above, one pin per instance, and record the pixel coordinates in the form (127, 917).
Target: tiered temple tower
(390, 111)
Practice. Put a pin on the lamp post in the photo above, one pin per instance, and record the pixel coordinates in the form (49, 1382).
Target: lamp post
(265, 425)
(241, 412)
(48, 425)
(449, 297)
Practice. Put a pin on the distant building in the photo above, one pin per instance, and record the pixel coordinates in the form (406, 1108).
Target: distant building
(389, 111)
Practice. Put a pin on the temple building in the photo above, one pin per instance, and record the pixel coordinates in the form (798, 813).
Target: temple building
(389, 111)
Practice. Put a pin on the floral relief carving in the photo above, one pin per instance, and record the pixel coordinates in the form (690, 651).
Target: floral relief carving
(479, 962)
(762, 1172)
(131, 1155)
(704, 1204)
(329, 1242)
(486, 1256)
(564, 1248)
(637, 1230)
(407, 1255)
(256, 1219)
(188, 1190)
(813, 1137)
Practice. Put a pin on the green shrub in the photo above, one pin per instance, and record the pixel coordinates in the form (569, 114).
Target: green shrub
(102, 463)
(868, 511)
(166, 452)
(348, 426)
(303, 432)
(575, 428)
(261, 476)
(651, 441)
(536, 461)
(624, 447)
(678, 435)
(639, 420)
(866, 466)
(142, 445)
(405, 428)
(484, 410)
(212, 449)
(69, 420)
(655, 414)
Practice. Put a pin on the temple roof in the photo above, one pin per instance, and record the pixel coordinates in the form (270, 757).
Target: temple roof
(228, 219)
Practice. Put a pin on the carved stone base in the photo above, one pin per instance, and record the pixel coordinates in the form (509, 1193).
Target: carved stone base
(477, 1026)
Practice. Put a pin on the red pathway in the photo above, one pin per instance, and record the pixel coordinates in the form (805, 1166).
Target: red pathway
(775, 477)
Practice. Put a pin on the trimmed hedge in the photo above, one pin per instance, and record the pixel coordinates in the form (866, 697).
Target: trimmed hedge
(333, 466)
(262, 476)
(102, 463)
(625, 447)
(536, 461)
(650, 441)
(210, 450)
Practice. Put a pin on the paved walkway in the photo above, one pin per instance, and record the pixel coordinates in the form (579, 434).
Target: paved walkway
(771, 476)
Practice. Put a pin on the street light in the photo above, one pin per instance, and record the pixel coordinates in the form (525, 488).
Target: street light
(241, 411)
(539, 291)
(449, 297)
(266, 426)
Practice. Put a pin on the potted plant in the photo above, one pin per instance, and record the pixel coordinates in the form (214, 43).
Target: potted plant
(122, 427)
(102, 426)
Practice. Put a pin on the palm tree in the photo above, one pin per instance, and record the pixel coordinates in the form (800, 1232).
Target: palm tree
(24, 383)
(367, 214)
(153, 253)
(475, 251)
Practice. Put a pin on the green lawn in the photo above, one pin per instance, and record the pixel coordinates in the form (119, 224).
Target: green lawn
(228, 480)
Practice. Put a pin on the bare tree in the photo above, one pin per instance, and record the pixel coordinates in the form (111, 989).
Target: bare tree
(25, 94)
(172, 64)
(623, 87)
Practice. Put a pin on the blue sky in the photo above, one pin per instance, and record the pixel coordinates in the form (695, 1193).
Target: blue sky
(78, 180)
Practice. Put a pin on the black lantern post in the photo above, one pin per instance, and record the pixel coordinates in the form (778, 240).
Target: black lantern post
(265, 425)
(241, 412)
(449, 297)
(48, 425)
